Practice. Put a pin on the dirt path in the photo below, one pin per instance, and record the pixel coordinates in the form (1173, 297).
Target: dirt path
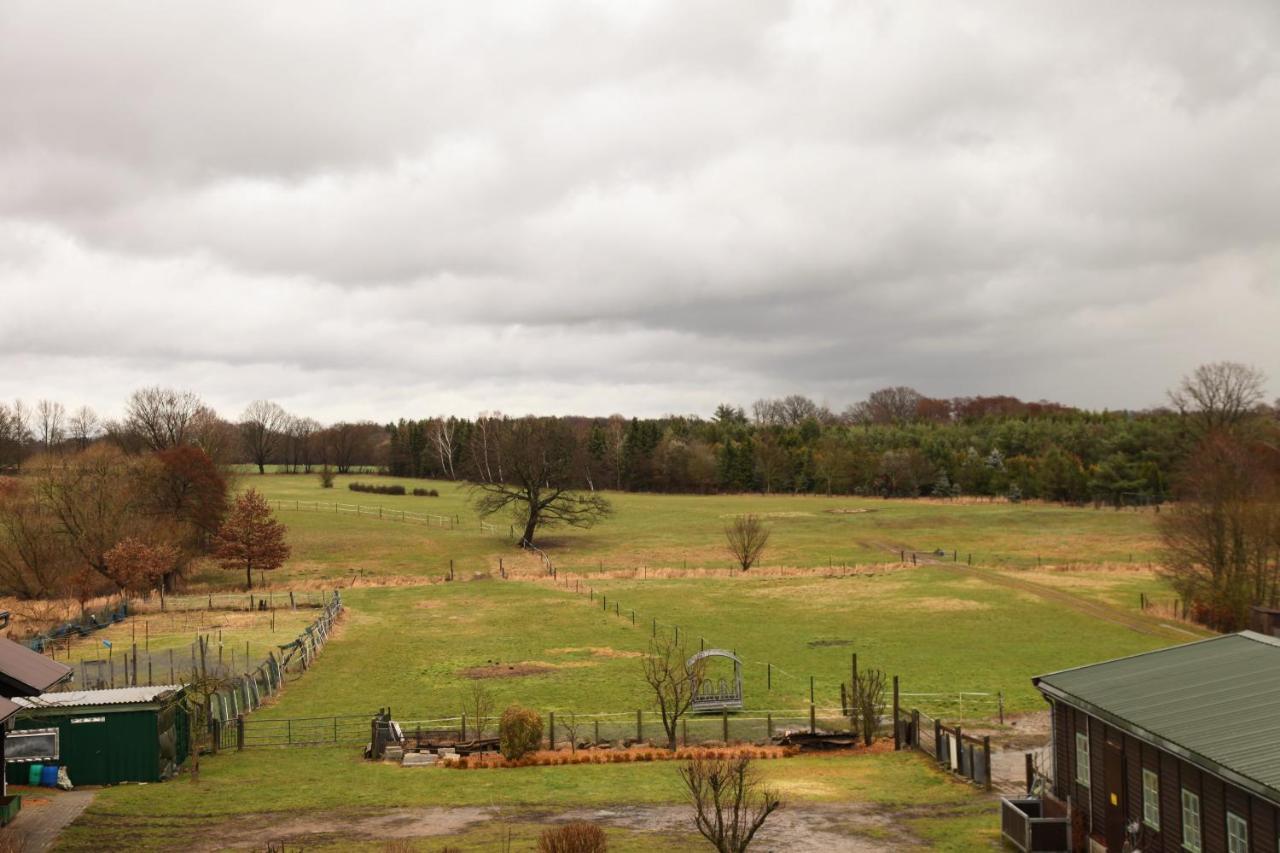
(1096, 609)
(44, 814)
(811, 828)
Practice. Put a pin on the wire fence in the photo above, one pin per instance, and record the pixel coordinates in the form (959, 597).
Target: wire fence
(378, 511)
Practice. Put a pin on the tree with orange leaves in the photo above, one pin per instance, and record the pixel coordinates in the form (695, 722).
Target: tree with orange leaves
(251, 538)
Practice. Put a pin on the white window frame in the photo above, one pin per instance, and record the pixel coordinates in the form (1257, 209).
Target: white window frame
(1082, 759)
(1237, 833)
(1192, 834)
(1151, 798)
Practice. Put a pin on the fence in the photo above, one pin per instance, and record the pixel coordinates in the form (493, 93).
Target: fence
(81, 627)
(444, 522)
(248, 732)
(134, 666)
(962, 754)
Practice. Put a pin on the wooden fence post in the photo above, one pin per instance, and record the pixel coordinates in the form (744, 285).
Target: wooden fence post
(897, 734)
(813, 719)
(937, 739)
(915, 728)
(724, 723)
(551, 730)
(639, 724)
(769, 724)
(986, 759)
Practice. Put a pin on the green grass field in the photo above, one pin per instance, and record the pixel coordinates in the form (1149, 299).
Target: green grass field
(677, 531)
(1051, 587)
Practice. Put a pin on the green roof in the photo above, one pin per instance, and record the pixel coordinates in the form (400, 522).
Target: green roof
(1216, 702)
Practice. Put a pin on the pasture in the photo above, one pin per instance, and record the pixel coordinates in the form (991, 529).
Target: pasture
(685, 531)
(1050, 587)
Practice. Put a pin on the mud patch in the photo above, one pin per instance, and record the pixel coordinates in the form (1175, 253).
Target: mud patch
(508, 670)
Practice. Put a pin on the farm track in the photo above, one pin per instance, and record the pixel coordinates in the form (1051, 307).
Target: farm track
(1081, 605)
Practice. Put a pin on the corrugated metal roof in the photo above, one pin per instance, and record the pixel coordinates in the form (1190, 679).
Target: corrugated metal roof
(113, 696)
(27, 673)
(1217, 699)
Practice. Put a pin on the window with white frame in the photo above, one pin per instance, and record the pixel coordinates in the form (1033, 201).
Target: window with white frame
(1190, 821)
(1237, 834)
(1082, 758)
(1151, 799)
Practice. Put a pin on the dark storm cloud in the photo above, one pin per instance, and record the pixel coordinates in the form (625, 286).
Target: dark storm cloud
(652, 206)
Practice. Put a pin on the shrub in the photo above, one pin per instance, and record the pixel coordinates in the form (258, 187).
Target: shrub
(426, 493)
(326, 477)
(376, 490)
(576, 837)
(519, 732)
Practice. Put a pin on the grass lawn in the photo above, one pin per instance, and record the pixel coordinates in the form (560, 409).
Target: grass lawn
(282, 784)
(416, 648)
(686, 531)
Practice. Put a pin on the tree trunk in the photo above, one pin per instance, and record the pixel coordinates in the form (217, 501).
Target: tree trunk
(262, 468)
(248, 573)
(527, 540)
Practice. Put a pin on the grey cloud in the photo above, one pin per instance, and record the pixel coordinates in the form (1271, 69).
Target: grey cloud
(642, 207)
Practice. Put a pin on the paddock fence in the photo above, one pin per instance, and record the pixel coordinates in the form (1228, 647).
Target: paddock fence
(962, 754)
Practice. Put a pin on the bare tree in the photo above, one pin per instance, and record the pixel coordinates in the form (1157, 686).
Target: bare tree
(34, 560)
(262, 427)
(1220, 395)
(530, 468)
(444, 438)
(867, 702)
(51, 423)
(1222, 539)
(479, 704)
(14, 433)
(84, 427)
(746, 537)
(162, 417)
(672, 681)
(730, 803)
(899, 404)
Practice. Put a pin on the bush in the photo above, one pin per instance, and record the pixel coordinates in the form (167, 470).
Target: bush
(576, 837)
(326, 477)
(376, 490)
(519, 732)
(426, 493)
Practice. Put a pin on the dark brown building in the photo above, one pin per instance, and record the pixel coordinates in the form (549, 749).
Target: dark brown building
(1178, 747)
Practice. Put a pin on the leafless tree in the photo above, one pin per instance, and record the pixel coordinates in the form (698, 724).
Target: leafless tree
(730, 803)
(350, 444)
(51, 423)
(84, 427)
(746, 537)
(1220, 395)
(34, 560)
(444, 433)
(162, 417)
(478, 702)
(1222, 539)
(529, 467)
(218, 438)
(672, 681)
(14, 433)
(262, 427)
(868, 701)
(899, 404)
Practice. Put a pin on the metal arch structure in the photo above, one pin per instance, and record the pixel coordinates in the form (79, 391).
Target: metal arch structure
(717, 695)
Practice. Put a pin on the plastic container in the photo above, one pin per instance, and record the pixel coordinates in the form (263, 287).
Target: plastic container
(49, 775)
(33, 774)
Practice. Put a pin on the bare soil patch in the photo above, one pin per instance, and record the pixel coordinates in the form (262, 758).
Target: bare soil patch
(597, 651)
(508, 670)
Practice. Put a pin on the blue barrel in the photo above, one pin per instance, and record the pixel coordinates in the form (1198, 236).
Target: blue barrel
(49, 776)
(33, 774)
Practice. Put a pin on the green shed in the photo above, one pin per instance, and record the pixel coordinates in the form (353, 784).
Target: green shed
(127, 734)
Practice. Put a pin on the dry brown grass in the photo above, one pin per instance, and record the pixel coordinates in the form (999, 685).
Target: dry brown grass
(635, 754)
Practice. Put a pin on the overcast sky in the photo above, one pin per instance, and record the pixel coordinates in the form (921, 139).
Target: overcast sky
(381, 210)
